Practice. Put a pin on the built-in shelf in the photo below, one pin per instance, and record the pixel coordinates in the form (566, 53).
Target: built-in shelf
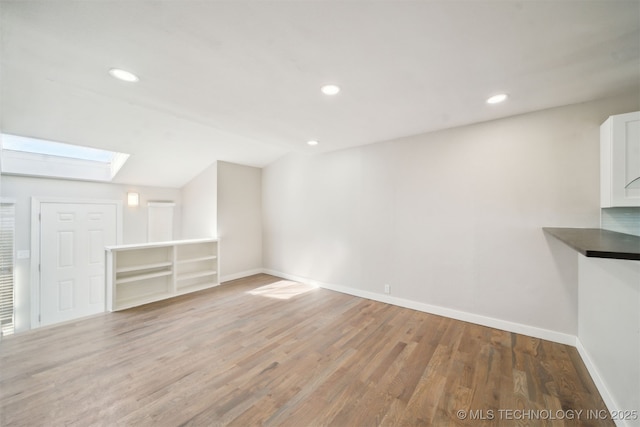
(140, 277)
(193, 288)
(125, 303)
(143, 273)
(204, 258)
(197, 274)
(144, 267)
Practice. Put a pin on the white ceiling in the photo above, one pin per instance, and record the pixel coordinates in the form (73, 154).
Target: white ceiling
(240, 80)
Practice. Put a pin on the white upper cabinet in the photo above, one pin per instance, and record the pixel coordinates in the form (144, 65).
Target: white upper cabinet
(620, 161)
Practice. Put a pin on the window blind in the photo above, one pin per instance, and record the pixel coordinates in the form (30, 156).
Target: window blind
(7, 224)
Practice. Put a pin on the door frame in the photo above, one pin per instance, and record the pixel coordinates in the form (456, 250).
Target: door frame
(35, 243)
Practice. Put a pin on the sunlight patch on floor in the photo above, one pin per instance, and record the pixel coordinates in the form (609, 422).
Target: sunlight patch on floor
(283, 289)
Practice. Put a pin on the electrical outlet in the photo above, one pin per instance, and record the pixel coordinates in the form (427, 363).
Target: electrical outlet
(387, 289)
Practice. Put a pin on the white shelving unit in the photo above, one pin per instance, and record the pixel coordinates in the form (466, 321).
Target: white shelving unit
(143, 273)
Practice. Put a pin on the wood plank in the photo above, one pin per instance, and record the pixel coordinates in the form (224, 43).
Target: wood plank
(312, 357)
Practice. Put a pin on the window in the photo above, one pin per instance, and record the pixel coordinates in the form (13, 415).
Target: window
(39, 157)
(7, 220)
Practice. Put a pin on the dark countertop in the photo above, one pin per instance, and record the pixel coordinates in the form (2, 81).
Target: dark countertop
(599, 243)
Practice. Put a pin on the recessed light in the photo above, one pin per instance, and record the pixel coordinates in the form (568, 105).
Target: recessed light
(330, 89)
(496, 99)
(123, 75)
(313, 142)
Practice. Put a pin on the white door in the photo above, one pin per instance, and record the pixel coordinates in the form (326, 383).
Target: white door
(72, 259)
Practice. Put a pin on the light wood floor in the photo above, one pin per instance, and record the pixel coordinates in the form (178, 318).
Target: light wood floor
(261, 351)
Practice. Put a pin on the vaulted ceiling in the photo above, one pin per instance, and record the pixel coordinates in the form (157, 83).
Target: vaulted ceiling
(240, 80)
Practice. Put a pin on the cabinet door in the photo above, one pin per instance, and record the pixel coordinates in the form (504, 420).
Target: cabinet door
(620, 139)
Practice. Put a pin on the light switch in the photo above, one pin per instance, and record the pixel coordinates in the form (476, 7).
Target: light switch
(24, 254)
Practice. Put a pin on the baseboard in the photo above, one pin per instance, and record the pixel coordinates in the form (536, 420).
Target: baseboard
(600, 384)
(241, 275)
(491, 322)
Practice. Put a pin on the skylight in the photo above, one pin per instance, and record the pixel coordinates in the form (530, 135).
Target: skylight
(39, 157)
(40, 146)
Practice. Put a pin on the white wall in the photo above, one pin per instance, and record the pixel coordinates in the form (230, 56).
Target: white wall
(609, 329)
(239, 220)
(452, 219)
(134, 219)
(199, 200)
